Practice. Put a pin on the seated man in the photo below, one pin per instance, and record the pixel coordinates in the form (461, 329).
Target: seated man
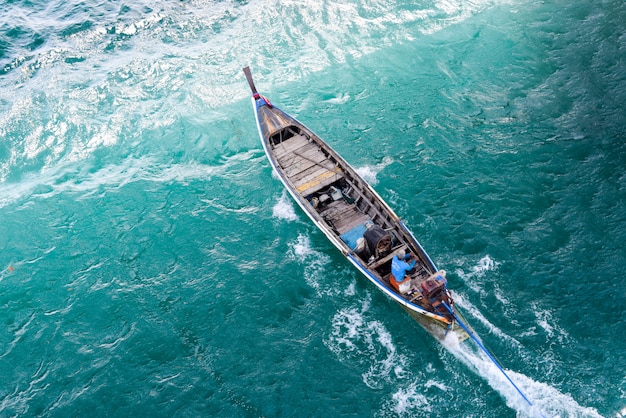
(399, 267)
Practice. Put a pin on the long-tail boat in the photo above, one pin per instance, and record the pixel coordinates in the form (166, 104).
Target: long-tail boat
(360, 224)
(354, 217)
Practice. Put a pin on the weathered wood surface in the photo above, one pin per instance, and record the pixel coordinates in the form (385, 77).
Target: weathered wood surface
(343, 216)
(290, 145)
(305, 164)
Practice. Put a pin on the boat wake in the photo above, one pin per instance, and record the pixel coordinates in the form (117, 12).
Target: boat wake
(547, 401)
(357, 338)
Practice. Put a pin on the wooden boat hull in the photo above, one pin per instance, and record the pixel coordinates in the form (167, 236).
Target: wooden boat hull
(350, 212)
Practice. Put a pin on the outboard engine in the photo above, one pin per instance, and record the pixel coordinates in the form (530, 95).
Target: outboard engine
(378, 241)
(433, 289)
(435, 292)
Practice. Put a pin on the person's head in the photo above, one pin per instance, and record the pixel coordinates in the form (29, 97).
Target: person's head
(401, 254)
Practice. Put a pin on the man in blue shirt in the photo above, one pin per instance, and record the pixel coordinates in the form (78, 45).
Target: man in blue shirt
(399, 267)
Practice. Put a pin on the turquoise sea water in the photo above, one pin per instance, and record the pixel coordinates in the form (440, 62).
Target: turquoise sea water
(151, 265)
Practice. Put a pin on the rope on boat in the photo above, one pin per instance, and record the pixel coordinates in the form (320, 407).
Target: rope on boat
(483, 348)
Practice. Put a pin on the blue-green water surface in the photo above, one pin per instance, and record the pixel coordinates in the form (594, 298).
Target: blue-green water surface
(151, 265)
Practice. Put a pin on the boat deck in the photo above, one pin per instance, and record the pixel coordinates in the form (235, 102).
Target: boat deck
(343, 216)
(347, 209)
(306, 165)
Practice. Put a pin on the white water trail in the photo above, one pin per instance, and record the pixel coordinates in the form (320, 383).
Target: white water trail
(546, 400)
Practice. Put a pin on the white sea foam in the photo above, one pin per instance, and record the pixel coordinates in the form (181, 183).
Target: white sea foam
(357, 338)
(322, 39)
(471, 310)
(390, 364)
(302, 248)
(351, 290)
(65, 178)
(410, 399)
(483, 266)
(369, 172)
(477, 272)
(315, 263)
(346, 329)
(90, 110)
(341, 99)
(283, 209)
(548, 324)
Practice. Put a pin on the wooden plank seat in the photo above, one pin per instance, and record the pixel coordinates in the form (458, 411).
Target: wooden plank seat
(388, 257)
